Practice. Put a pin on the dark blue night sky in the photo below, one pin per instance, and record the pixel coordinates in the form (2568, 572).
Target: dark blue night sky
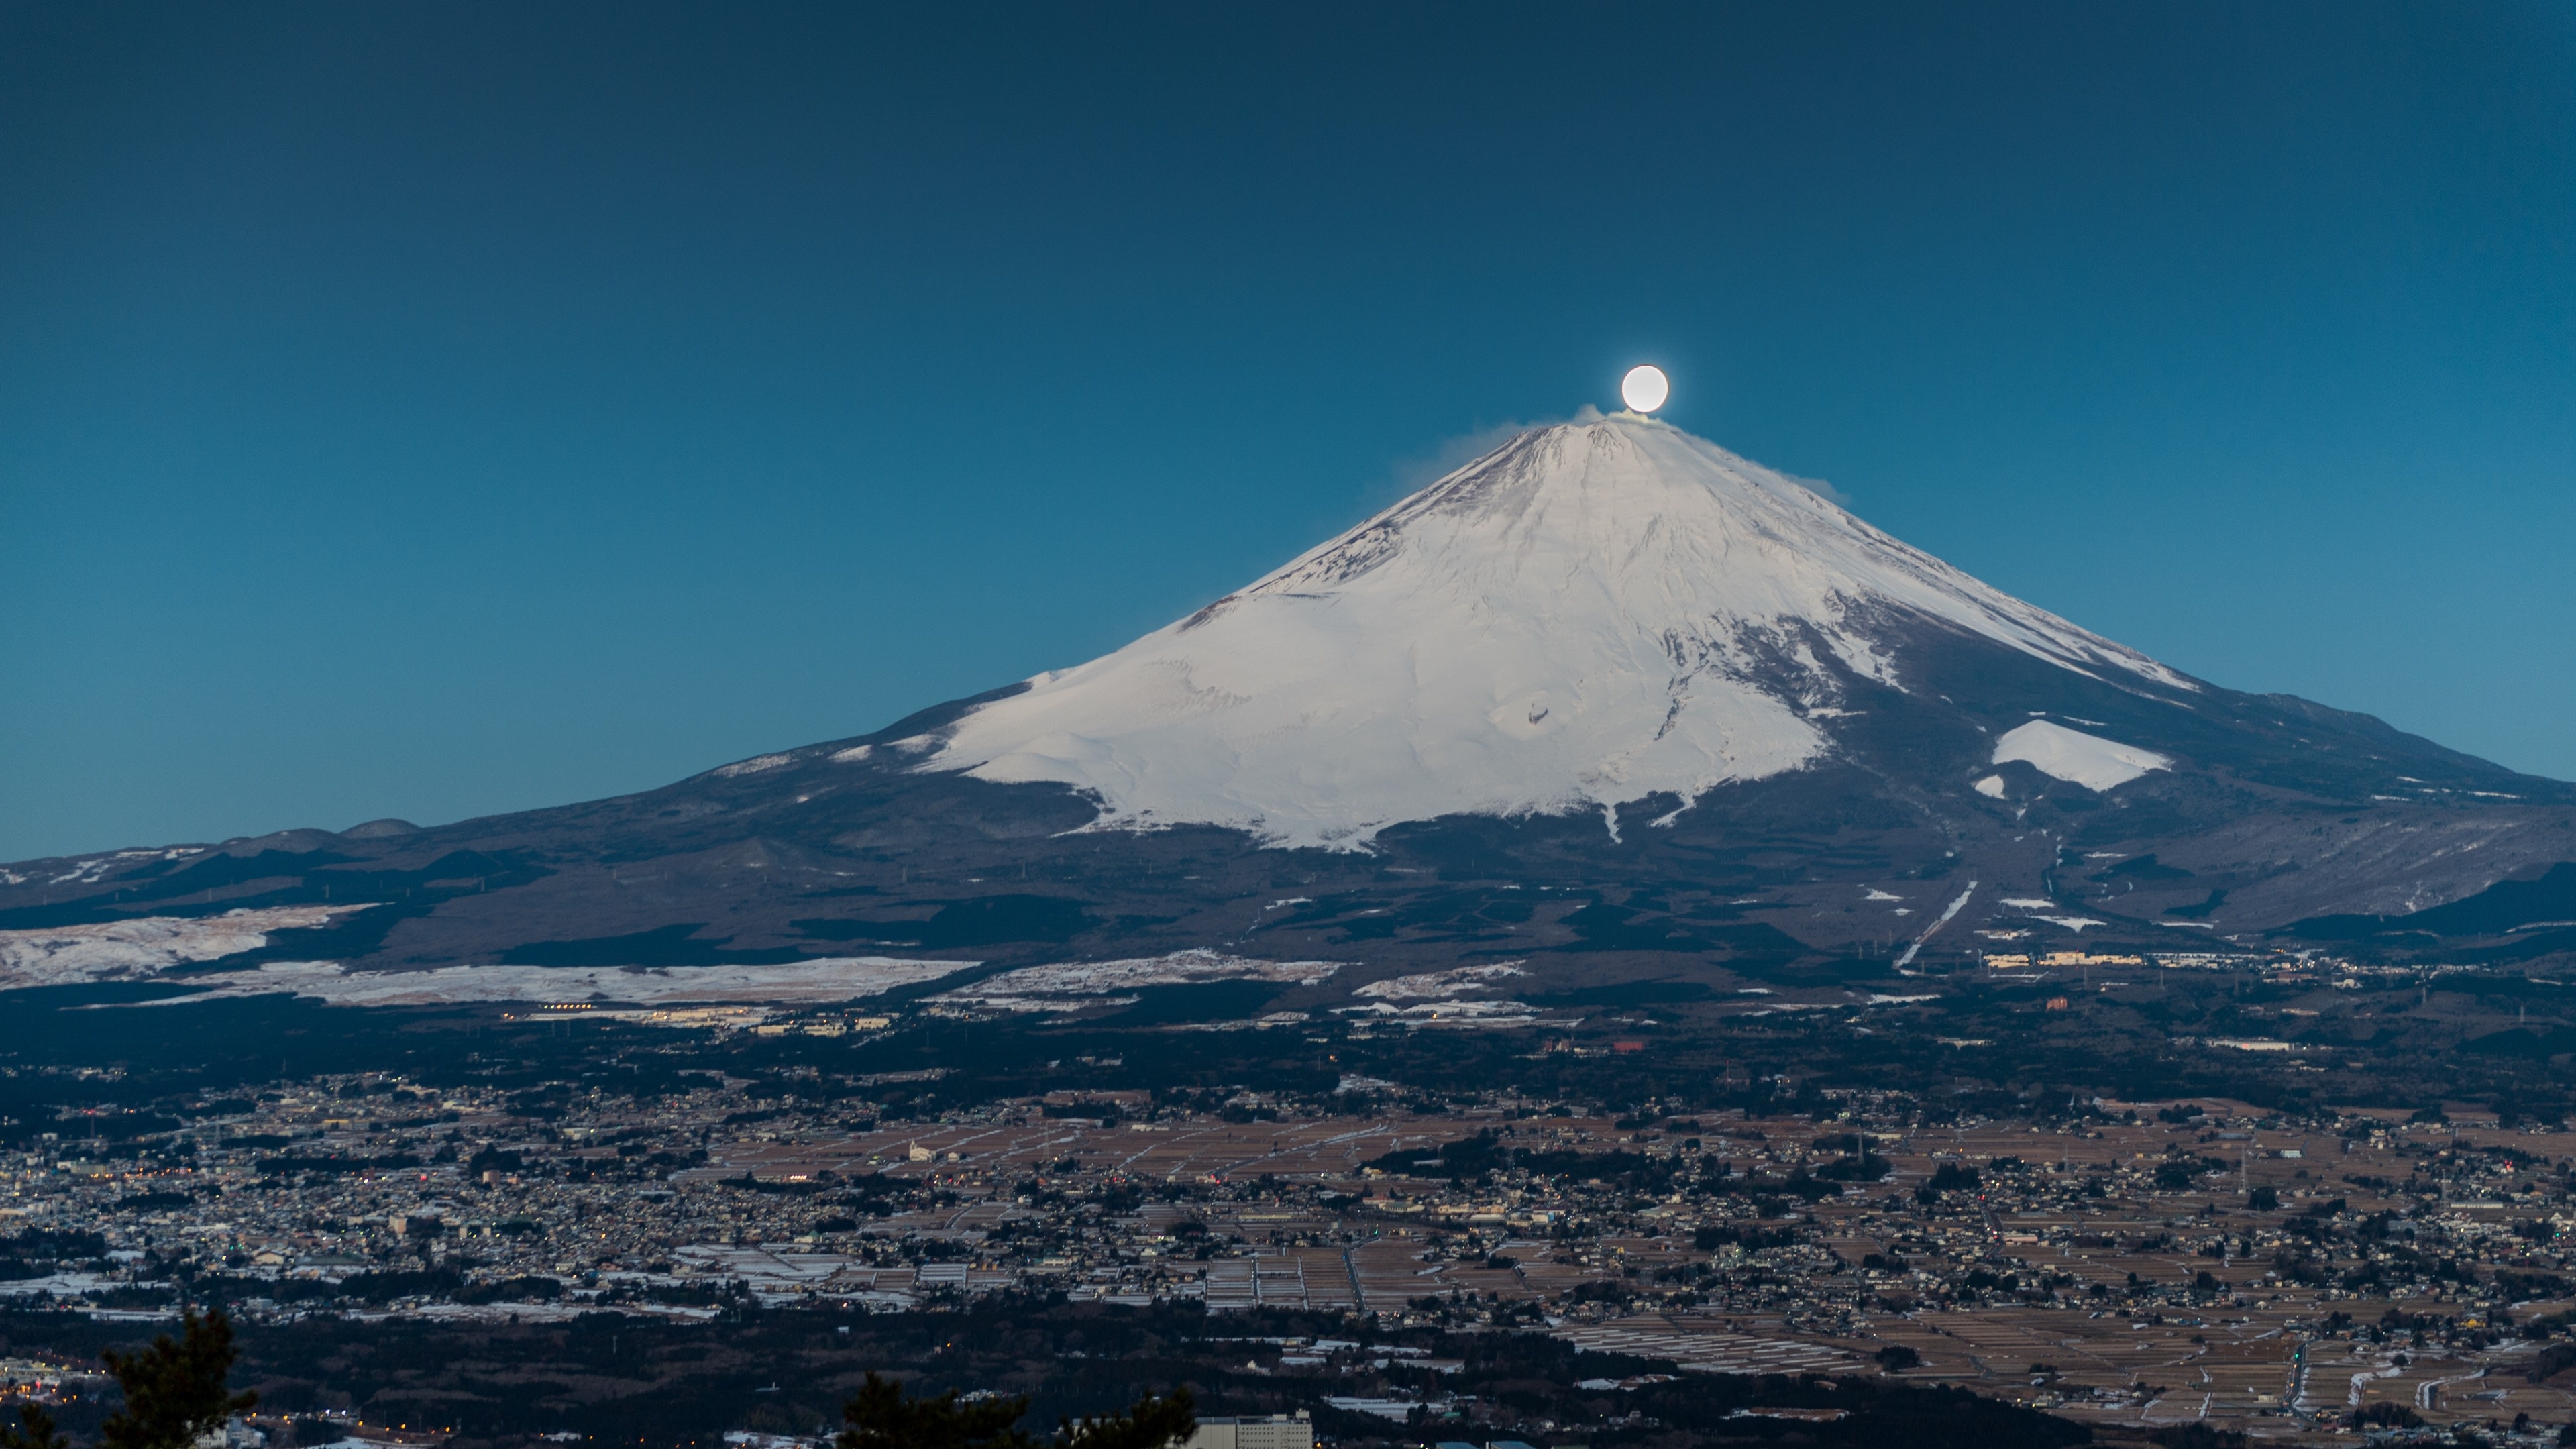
(431, 410)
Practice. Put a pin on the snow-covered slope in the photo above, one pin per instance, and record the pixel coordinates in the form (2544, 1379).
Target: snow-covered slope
(135, 950)
(2089, 760)
(1592, 613)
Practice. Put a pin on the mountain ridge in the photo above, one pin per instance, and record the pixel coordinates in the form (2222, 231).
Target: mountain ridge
(1946, 768)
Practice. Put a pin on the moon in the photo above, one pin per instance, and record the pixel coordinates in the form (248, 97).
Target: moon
(1645, 388)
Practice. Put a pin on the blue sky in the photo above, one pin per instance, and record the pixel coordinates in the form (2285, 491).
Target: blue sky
(438, 410)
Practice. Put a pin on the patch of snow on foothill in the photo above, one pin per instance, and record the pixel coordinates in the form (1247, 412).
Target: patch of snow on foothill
(820, 980)
(1442, 984)
(136, 949)
(2088, 760)
(756, 765)
(91, 870)
(1591, 613)
(1073, 985)
(1447, 1012)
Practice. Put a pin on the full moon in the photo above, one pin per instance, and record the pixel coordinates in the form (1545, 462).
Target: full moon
(1645, 388)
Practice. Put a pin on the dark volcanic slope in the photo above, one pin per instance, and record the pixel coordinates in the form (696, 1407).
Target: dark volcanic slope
(2278, 812)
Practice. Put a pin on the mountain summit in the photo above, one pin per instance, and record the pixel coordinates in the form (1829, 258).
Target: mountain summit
(1591, 614)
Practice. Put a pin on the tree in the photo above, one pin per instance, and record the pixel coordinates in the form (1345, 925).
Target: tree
(880, 1417)
(34, 1430)
(174, 1390)
(1149, 1423)
(2196, 1435)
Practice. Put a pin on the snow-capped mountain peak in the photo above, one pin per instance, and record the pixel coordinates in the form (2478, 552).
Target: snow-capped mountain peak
(1592, 613)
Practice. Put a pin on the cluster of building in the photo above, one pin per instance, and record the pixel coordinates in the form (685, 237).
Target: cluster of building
(2139, 1263)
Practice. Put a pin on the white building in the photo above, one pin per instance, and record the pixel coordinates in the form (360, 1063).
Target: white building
(1278, 1431)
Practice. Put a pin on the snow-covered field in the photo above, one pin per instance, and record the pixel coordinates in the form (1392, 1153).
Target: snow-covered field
(2088, 760)
(62, 1285)
(139, 949)
(827, 979)
(1446, 1012)
(2037, 909)
(1078, 985)
(1440, 985)
(1591, 613)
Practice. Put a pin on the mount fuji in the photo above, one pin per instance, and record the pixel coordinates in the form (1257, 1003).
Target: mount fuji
(1590, 616)
(1607, 704)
